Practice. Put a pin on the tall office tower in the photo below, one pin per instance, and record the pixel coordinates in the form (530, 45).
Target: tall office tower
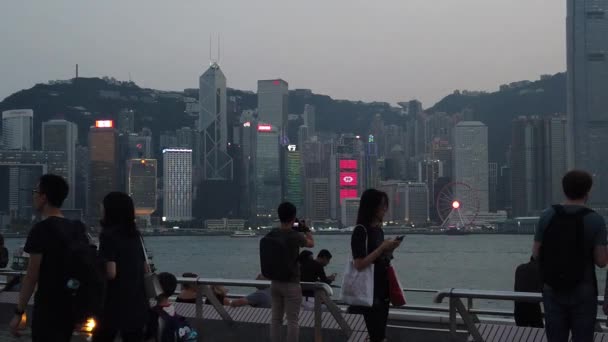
(430, 171)
(62, 135)
(343, 180)
(192, 139)
(317, 199)
(556, 164)
(395, 211)
(213, 125)
(141, 186)
(587, 46)
(273, 97)
(267, 171)
(103, 163)
(19, 172)
(18, 129)
(442, 150)
(528, 166)
(248, 148)
(167, 140)
(310, 119)
(81, 187)
(349, 211)
(493, 187)
(440, 127)
(126, 121)
(378, 131)
(177, 185)
(504, 185)
(294, 188)
(416, 203)
(471, 159)
(303, 135)
(371, 171)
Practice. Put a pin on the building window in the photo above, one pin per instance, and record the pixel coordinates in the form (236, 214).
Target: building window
(595, 15)
(596, 57)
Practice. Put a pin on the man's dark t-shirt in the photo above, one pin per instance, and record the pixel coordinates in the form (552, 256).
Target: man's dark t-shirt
(50, 238)
(312, 271)
(375, 237)
(125, 303)
(295, 240)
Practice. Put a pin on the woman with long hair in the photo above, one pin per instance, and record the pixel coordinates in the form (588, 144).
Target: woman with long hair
(120, 247)
(369, 247)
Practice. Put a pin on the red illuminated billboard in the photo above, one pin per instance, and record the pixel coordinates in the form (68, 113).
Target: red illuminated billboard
(348, 164)
(348, 179)
(348, 193)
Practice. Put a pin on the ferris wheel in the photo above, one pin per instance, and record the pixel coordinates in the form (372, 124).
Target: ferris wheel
(457, 205)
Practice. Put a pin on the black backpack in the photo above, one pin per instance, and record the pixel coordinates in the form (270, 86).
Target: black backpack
(563, 258)
(275, 258)
(84, 275)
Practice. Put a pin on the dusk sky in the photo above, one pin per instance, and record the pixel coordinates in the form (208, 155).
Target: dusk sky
(383, 50)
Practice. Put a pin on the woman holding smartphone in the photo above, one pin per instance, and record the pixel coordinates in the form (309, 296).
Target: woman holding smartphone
(369, 247)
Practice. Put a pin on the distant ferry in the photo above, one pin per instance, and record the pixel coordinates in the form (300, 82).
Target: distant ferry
(243, 234)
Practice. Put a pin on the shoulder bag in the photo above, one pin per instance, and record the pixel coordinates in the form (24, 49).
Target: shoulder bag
(358, 286)
(151, 283)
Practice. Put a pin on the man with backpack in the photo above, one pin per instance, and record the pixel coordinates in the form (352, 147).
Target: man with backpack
(279, 251)
(49, 244)
(569, 242)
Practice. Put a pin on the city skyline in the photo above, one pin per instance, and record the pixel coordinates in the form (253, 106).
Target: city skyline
(393, 32)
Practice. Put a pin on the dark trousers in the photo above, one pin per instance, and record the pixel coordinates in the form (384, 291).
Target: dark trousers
(51, 325)
(108, 335)
(574, 311)
(375, 318)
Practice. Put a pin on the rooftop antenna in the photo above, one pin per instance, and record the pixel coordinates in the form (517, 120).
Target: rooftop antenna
(218, 48)
(210, 48)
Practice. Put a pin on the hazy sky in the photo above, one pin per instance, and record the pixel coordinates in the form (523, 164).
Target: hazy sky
(372, 50)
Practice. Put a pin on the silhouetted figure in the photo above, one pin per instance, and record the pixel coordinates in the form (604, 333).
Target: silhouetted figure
(527, 279)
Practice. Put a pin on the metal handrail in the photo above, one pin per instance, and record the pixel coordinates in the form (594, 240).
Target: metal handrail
(322, 292)
(469, 316)
(530, 297)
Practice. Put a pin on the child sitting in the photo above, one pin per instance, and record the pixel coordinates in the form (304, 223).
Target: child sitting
(165, 324)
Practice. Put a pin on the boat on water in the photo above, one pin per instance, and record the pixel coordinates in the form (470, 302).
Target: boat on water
(243, 234)
(453, 230)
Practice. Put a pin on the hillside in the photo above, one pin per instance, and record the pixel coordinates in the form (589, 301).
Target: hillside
(84, 100)
(498, 109)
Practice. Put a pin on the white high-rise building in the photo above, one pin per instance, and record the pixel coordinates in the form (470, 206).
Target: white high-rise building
(177, 184)
(62, 135)
(416, 203)
(471, 160)
(213, 124)
(349, 210)
(18, 129)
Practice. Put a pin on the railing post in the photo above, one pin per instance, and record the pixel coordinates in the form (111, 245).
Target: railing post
(453, 322)
(318, 315)
(469, 320)
(219, 307)
(199, 301)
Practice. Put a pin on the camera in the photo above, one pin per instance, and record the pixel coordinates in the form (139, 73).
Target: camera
(300, 226)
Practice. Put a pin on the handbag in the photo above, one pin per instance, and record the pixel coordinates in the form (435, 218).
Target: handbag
(152, 286)
(358, 286)
(395, 290)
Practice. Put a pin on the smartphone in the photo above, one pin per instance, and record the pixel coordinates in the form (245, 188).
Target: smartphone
(400, 238)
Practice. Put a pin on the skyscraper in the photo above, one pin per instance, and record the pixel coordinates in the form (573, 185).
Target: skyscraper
(141, 185)
(416, 203)
(587, 48)
(273, 96)
(471, 159)
(18, 129)
(177, 184)
(317, 198)
(293, 190)
(310, 119)
(62, 135)
(267, 171)
(19, 172)
(126, 121)
(555, 135)
(213, 124)
(103, 162)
